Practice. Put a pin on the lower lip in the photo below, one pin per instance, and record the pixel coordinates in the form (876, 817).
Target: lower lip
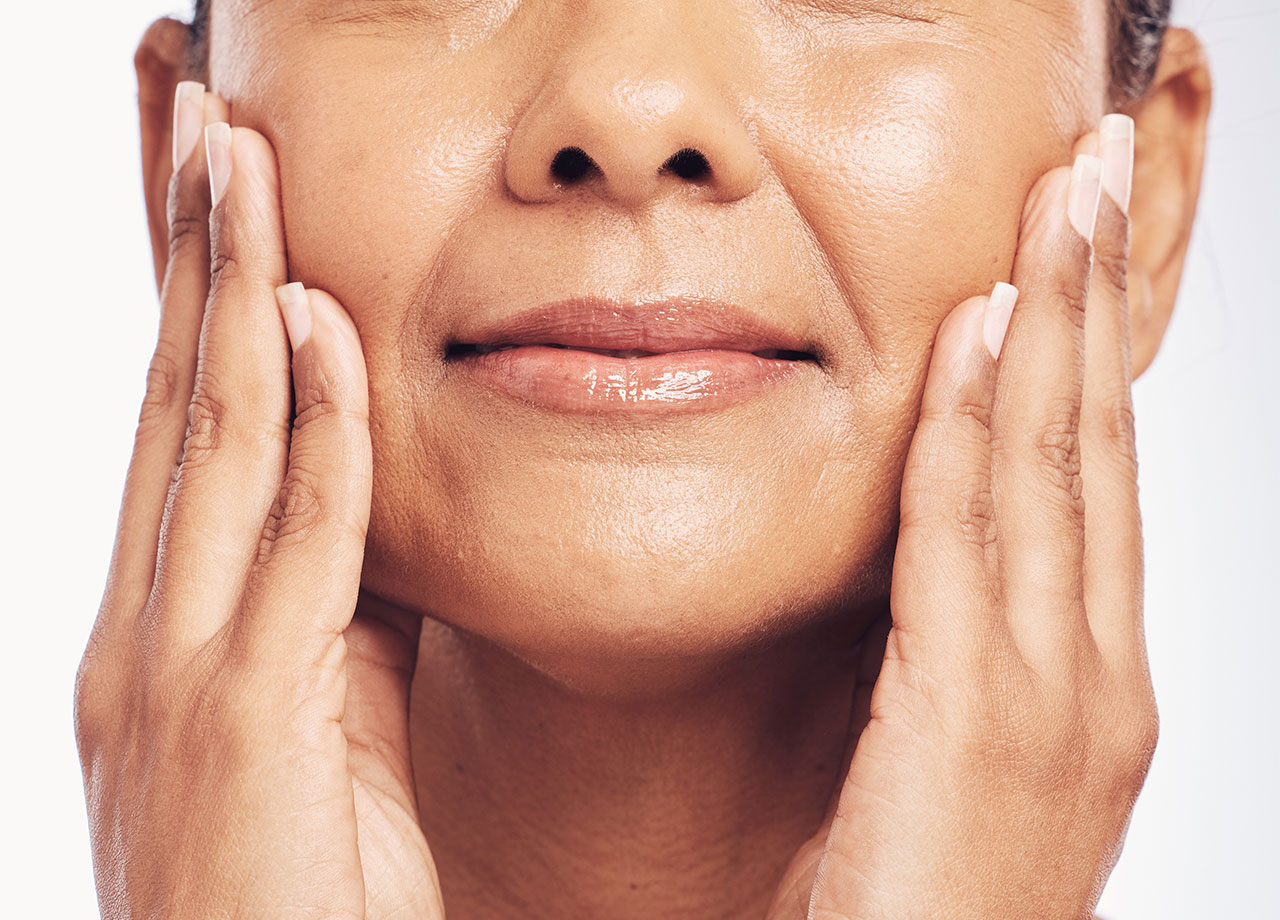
(573, 380)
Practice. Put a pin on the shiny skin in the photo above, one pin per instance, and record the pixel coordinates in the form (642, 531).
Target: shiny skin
(868, 173)
(623, 666)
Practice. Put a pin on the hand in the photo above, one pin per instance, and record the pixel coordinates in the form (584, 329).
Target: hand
(244, 740)
(1013, 721)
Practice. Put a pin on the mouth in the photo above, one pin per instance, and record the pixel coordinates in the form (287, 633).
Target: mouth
(597, 356)
(460, 350)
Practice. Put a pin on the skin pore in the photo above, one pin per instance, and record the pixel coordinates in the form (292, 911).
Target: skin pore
(635, 678)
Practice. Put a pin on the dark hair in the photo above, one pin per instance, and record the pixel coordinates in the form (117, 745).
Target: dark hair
(1137, 32)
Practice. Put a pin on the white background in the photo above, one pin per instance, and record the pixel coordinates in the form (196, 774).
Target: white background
(76, 282)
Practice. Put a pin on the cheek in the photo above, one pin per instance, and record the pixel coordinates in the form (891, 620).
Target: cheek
(913, 183)
(372, 182)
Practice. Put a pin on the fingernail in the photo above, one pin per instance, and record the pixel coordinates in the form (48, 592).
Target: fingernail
(295, 307)
(188, 120)
(1084, 194)
(1116, 140)
(217, 147)
(995, 319)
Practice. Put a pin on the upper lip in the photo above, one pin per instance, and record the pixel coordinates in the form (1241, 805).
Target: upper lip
(653, 327)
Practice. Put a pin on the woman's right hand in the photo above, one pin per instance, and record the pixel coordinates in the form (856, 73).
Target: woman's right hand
(244, 738)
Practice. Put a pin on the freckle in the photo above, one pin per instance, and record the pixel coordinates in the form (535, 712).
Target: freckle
(819, 768)
(458, 767)
(634, 886)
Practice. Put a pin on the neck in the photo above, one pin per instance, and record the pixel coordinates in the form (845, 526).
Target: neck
(686, 798)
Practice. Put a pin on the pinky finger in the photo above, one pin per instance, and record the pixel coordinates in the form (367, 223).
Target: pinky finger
(307, 575)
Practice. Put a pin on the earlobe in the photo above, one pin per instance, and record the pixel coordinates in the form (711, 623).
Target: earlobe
(1170, 122)
(161, 62)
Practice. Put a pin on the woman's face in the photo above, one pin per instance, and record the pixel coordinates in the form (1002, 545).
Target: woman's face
(868, 163)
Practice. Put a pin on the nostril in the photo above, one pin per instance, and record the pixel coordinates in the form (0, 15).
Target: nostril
(688, 164)
(571, 164)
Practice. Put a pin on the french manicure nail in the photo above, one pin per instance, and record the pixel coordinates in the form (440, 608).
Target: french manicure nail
(1115, 134)
(217, 146)
(995, 319)
(188, 120)
(295, 307)
(1084, 195)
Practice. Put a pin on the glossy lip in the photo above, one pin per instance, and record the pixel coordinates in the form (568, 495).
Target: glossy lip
(593, 355)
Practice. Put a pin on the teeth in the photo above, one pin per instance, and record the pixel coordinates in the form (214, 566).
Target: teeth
(485, 349)
(767, 353)
(618, 352)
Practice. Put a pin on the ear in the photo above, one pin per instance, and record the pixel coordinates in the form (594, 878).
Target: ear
(161, 62)
(1170, 122)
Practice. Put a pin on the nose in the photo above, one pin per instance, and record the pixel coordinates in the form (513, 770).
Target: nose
(629, 113)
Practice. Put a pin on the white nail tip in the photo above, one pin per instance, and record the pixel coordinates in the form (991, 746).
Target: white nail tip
(995, 319)
(1115, 133)
(217, 146)
(1115, 126)
(1084, 195)
(188, 119)
(295, 308)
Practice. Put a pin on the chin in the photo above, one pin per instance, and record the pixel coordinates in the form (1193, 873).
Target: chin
(604, 582)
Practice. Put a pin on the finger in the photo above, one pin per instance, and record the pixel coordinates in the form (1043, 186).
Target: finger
(303, 588)
(1113, 527)
(1035, 421)
(947, 527)
(238, 421)
(162, 420)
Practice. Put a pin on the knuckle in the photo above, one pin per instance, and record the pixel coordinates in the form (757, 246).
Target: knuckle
(1113, 422)
(223, 266)
(212, 424)
(184, 233)
(164, 388)
(1111, 266)
(295, 515)
(317, 400)
(323, 395)
(971, 417)
(1068, 296)
(1137, 735)
(95, 697)
(1056, 447)
(87, 695)
(206, 425)
(186, 205)
(976, 513)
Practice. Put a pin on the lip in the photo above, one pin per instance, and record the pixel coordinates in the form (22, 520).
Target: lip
(594, 355)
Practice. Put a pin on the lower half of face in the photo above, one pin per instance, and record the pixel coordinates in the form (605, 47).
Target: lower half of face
(865, 173)
(615, 535)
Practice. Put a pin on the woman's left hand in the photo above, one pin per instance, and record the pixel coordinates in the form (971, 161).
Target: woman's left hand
(1012, 721)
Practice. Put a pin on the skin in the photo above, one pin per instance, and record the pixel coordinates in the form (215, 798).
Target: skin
(625, 668)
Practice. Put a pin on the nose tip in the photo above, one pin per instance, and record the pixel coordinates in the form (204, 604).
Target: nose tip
(601, 129)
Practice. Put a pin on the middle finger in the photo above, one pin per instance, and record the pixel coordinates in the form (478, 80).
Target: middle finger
(238, 433)
(1035, 423)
